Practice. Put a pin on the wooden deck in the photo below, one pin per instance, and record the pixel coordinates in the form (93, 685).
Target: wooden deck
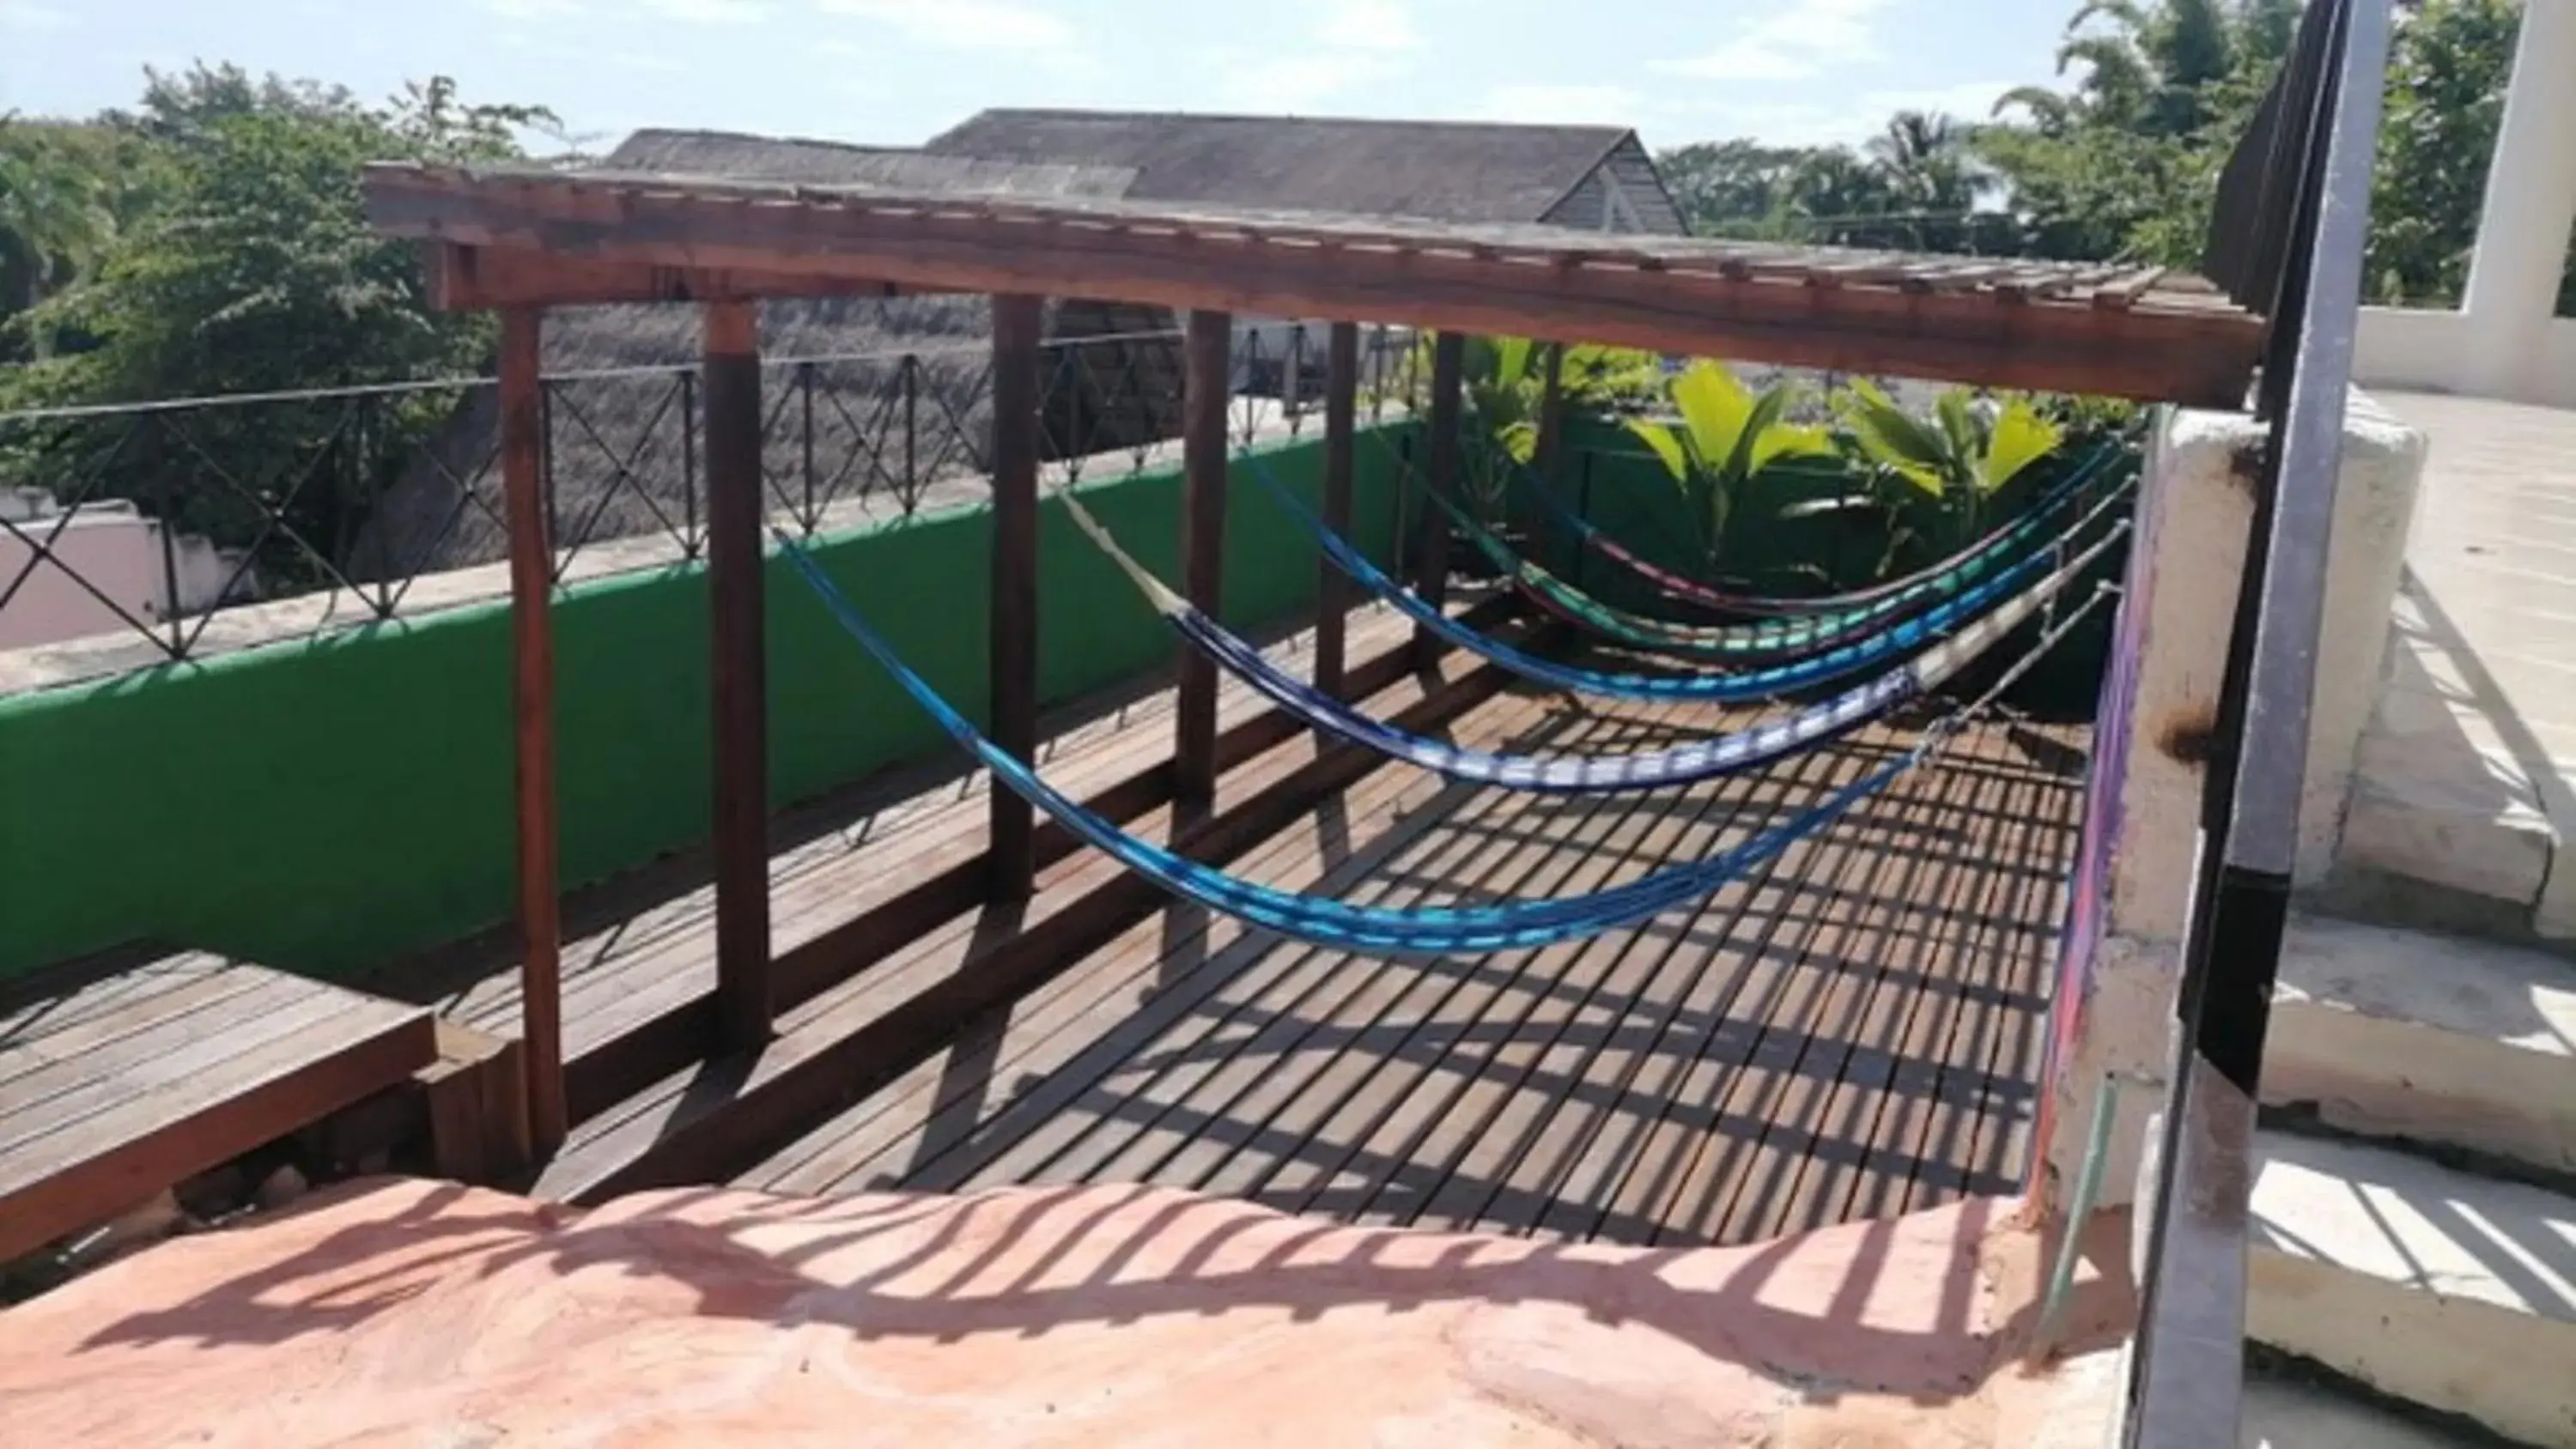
(854, 878)
(123, 1075)
(1853, 1029)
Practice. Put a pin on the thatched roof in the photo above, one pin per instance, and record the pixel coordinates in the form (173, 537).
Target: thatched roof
(425, 523)
(1437, 170)
(835, 163)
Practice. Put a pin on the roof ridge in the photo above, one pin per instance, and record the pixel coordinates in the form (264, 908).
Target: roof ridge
(1266, 118)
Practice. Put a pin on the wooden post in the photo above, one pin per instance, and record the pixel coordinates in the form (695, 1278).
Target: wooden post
(1019, 327)
(1431, 528)
(1204, 396)
(738, 672)
(523, 457)
(1341, 417)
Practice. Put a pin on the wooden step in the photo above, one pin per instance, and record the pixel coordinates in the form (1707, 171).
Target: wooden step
(2398, 1033)
(707, 1122)
(122, 1076)
(2431, 1285)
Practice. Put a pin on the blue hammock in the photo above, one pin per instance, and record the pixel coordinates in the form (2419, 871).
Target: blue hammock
(1336, 924)
(1600, 774)
(1743, 685)
(1877, 600)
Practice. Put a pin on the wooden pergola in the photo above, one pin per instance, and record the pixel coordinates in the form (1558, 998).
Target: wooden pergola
(522, 240)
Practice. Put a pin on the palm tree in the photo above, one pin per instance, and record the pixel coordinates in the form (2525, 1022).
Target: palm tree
(52, 221)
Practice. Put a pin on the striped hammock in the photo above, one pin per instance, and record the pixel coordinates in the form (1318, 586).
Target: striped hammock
(1840, 662)
(1700, 759)
(1784, 637)
(1683, 589)
(1337, 924)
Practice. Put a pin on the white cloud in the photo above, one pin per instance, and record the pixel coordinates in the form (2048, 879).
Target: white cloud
(1562, 104)
(31, 15)
(1303, 81)
(963, 24)
(535, 9)
(1366, 25)
(1794, 44)
(710, 12)
(1968, 100)
(642, 61)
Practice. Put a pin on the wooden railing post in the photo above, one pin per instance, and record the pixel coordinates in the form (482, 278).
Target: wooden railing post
(1204, 396)
(738, 672)
(523, 451)
(1019, 325)
(1341, 419)
(1431, 528)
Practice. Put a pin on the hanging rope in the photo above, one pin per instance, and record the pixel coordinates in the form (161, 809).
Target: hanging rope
(1702, 759)
(1779, 637)
(1755, 684)
(1336, 924)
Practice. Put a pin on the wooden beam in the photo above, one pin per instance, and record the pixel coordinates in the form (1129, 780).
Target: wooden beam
(463, 278)
(738, 671)
(532, 688)
(1441, 474)
(1332, 587)
(1672, 296)
(1019, 334)
(1207, 376)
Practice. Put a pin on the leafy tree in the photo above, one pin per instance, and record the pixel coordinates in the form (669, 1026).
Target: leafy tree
(254, 270)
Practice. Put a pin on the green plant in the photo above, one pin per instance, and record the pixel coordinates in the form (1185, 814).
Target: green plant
(1727, 435)
(1952, 464)
(1504, 380)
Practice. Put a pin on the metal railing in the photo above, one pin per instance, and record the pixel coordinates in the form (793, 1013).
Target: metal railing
(2287, 239)
(134, 535)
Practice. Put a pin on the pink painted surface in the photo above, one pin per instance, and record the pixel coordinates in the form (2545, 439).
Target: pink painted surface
(2088, 894)
(402, 1312)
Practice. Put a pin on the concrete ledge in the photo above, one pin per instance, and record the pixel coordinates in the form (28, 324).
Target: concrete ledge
(2443, 1289)
(2399, 1033)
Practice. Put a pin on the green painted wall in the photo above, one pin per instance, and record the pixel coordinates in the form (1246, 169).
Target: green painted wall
(321, 805)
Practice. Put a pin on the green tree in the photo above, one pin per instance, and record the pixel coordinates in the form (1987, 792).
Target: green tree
(254, 270)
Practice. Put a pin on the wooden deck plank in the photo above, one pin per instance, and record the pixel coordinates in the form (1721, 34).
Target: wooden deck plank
(1081, 1127)
(1393, 1139)
(1516, 1157)
(938, 1104)
(1631, 1088)
(1643, 1192)
(1922, 971)
(1791, 1094)
(79, 991)
(1998, 1144)
(1297, 1056)
(852, 1040)
(1624, 1088)
(655, 931)
(1050, 1062)
(132, 1100)
(1937, 1117)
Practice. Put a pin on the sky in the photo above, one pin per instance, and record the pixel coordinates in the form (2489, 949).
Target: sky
(896, 72)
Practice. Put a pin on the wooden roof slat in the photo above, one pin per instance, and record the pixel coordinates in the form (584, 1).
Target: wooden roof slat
(2024, 324)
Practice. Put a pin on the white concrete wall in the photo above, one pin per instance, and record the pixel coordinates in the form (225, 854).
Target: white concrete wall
(119, 553)
(2416, 349)
(2196, 508)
